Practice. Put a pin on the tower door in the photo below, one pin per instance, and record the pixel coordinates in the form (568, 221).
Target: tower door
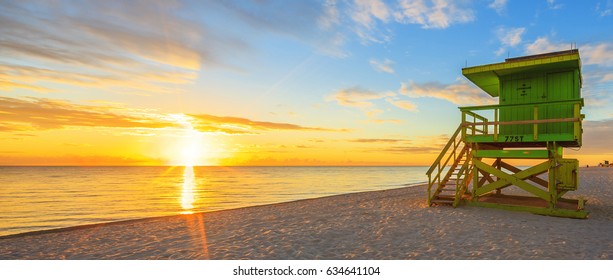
(519, 91)
(560, 87)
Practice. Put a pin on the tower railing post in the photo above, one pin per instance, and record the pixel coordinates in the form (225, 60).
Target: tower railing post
(536, 126)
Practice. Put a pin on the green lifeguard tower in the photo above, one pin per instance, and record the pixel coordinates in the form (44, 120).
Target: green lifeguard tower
(539, 114)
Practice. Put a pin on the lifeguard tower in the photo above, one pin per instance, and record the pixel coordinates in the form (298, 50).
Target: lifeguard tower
(539, 114)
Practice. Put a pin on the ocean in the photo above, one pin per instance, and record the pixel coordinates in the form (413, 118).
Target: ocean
(40, 198)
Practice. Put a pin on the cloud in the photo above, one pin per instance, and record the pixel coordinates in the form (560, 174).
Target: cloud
(144, 82)
(606, 9)
(129, 48)
(374, 112)
(378, 140)
(380, 121)
(365, 12)
(402, 104)
(459, 93)
(7, 85)
(543, 45)
(149, 46)
(597, 54)
(597, 135)
(42, 114)
(382, 66)
(498, 5)
(591, 54)
(509, 37)
(357, 97)
(79, 160)
(330, 16)
(314, 23)
(244, 126)
(361, 98)
(411, 150)
(553, 5)
(437, 14)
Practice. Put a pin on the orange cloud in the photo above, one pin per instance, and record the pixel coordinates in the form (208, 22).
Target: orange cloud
(17, 76)
(236, 125)
(411, 150)
(10, 85)
(402, 104)
(378, 140)
(75, 160)
(42, 113)
(460, 93)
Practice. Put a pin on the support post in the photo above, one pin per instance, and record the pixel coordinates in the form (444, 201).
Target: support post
(496, 125)
(536, 126)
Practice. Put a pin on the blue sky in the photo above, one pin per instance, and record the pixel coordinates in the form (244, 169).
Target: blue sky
(378, 70)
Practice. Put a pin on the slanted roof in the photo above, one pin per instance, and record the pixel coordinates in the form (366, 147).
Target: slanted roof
(487, 76)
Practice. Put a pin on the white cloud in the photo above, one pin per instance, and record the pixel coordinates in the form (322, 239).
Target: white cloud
(498, 5)
(543, 45)
(553, 5)
(599, 54)
(460, 93)
(330, 16)
(606, 9)
(591, 54)
(366, 11)
(366, 15)
(361, 98)
(432, 14)
(510, 36)
(382, 66)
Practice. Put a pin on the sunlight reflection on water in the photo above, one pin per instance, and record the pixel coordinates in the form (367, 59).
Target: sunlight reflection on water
(187, 193)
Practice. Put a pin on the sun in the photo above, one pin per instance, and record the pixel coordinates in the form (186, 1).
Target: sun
(191, 153)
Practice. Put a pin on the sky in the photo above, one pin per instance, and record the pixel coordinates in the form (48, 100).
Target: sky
(271, 82)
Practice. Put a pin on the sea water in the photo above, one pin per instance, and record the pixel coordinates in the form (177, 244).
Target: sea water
(39, 198)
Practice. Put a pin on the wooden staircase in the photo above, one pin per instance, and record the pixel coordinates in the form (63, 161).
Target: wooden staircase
(451, 172)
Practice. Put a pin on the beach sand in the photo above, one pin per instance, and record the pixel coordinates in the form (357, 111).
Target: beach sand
(390, 224)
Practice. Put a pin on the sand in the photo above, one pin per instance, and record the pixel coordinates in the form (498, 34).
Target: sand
(390, 224)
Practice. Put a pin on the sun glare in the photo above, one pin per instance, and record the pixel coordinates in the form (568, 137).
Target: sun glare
(190, 147)
(191, 154)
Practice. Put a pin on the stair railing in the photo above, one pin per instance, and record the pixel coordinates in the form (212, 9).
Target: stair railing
(449, 153)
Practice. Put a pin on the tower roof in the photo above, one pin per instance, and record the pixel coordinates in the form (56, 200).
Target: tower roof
(487, 76)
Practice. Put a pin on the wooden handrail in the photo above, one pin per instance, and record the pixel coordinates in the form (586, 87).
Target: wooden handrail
(524, 122)
(479, 125)
(444, 151)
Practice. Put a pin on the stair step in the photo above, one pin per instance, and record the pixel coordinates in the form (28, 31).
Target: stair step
(440, 201)
(447, 190)
(445, 197)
